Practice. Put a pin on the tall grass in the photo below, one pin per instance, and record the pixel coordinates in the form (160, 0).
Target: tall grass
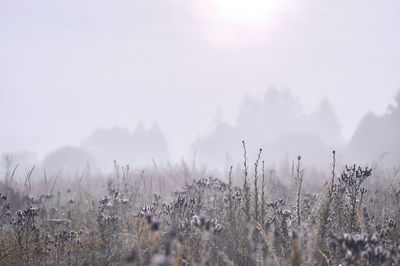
(181, 216)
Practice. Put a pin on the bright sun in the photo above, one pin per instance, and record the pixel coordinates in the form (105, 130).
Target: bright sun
(246, 11)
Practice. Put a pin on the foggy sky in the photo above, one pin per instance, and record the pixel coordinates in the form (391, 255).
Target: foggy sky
(69, 67)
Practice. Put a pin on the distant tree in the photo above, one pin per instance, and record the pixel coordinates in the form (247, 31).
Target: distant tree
(395, 109)
(71, 161)
(325, 125)
(378, 135)
(266, 121)
(118, 144)
(274, 113)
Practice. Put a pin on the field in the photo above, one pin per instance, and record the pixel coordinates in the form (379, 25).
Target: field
(181, 216)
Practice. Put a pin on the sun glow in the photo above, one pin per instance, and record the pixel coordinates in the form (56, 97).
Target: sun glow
(246, 11)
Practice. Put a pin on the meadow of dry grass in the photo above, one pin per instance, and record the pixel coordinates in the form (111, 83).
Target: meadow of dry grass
(180, 216)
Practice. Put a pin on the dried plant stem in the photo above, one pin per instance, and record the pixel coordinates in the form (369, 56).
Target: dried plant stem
(299, 180)
(246, 187)
(263, 203)
(256, 196)
(326, 207)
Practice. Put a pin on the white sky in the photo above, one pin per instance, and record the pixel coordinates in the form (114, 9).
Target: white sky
(67, 67)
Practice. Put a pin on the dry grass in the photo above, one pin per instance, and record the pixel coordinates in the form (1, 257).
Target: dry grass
(145, 220)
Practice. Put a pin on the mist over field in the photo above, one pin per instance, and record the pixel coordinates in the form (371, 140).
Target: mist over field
(89, 74)
(123, 108)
